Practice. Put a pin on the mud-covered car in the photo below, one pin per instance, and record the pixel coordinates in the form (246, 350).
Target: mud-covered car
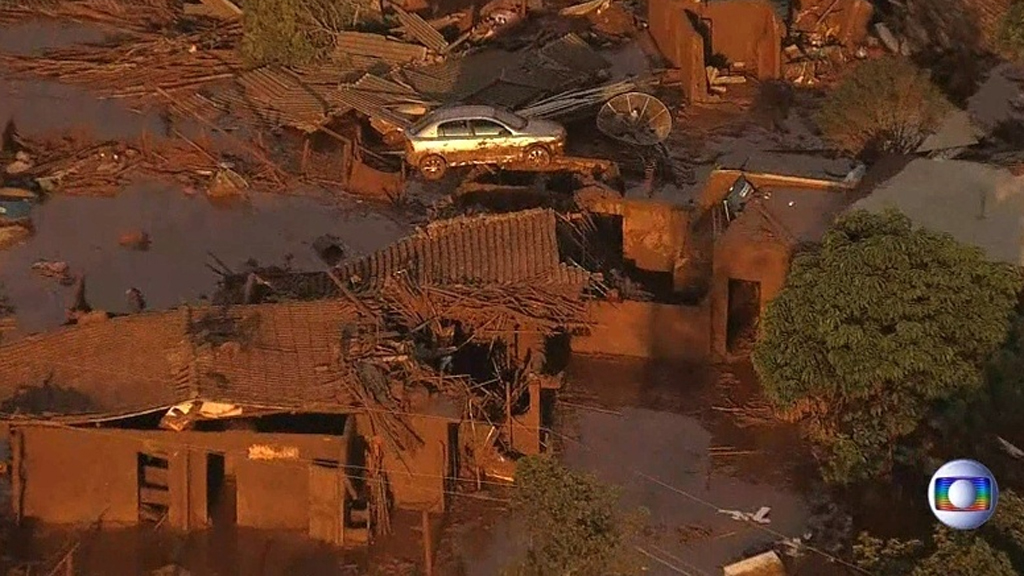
(465, 135)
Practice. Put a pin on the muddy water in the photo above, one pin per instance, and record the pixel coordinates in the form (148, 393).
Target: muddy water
(658, 421)
(84, 233)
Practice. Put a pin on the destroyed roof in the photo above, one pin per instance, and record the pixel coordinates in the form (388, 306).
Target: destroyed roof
(790, 216)
(977, 204)
(489, 249)
(377, 46)
(273, 355)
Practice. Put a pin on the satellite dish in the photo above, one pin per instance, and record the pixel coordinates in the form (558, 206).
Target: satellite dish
(635, 118)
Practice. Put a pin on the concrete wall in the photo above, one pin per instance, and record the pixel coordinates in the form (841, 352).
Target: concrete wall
(81, 475)
(647, 330)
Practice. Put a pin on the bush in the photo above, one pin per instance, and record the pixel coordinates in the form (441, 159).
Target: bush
(1011, 31)
(292, 32)
(993, 550)
(573, 523)
(883, 105)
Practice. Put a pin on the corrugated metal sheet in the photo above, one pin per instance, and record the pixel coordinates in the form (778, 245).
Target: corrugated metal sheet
(573, 53)
(377, 46)
(506, 95)
(369, 104)
(424, 33)
(497, 249)
(373, 83)
(296, 104)
(458, 78)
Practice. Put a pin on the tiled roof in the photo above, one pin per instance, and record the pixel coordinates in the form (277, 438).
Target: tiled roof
(489, 249)
(279, 355)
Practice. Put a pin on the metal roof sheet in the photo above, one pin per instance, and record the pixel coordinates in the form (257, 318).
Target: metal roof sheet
(416, 27)
(297, 104)
(573, 53)
(374, 45)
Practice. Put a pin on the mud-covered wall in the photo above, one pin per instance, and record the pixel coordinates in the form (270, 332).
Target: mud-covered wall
(82, 475)
(746, 31)
(417, 477)
(647, 330)
(680, 44)
(740, 256)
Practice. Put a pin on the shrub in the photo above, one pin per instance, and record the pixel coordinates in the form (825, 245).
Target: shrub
(292, 32)
(883, 105)
(1011, 31)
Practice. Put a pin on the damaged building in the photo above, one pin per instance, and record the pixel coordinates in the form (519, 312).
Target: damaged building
(739, 36)
(701, 274)
(319, 415)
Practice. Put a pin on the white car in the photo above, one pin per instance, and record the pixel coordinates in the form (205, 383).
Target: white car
(466, 135)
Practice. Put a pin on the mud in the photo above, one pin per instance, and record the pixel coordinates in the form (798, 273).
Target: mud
(651, 420)
(84, 232)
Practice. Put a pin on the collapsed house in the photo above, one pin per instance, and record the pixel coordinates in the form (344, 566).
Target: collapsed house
(700, 38)
(707, 270)
(318, 415)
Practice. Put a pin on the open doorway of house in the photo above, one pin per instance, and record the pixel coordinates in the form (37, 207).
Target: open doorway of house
(744, 311)
(221, 497)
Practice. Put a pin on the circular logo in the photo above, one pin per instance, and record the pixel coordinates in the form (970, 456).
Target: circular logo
(963, 494)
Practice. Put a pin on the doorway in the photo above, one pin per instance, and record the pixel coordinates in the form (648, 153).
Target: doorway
(744, 311)
(221, 492)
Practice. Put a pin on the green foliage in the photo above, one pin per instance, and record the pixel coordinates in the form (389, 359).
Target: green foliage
(883, 105)
(573, 523)
(1011, 31)
(292, 32)
(987, 551)
(875, 328)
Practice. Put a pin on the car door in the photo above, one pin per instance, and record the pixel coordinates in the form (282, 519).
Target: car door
(455, 141)
(494, 140)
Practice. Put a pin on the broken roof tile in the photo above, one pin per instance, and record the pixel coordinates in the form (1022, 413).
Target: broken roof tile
(295, 103)
(152, 361)
(374, 45)
(493, 248)
(370, 104)
(417, 28)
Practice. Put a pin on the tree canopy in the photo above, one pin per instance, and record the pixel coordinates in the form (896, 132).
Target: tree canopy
(572, 521)
(884, 105)
(1011, 30)
(993, 550)
(874, 329)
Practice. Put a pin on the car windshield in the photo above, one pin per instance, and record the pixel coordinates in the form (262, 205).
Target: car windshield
(513, 121)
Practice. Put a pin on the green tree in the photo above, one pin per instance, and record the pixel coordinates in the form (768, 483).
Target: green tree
(572, 522)
(883, 105)
(292, 32)
(1011, 31)
(874, 329)
(991, 551)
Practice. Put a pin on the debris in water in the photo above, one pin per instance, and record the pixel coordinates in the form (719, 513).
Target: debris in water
(1010, 448)
(135, 240)
(53, 269)
(760, 517)
(227, 183)
(136, 302)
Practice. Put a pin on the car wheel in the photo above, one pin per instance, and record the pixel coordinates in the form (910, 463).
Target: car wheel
(538, 156)
(433, 167)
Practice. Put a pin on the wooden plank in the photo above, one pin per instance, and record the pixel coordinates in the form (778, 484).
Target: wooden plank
(325, 504)
(160, 497)
(154, 476)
